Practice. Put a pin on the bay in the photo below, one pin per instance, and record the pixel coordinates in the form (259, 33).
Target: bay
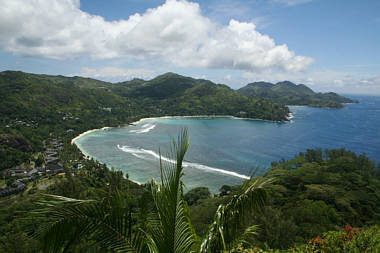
(228, 150)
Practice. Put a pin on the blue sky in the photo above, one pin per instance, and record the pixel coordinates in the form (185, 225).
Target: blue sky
(328, 45)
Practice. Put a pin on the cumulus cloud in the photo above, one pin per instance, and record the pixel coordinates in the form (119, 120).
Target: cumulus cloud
(175, 32)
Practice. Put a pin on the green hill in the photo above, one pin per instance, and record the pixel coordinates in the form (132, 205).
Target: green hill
(31, 96)
(292, 94)
(162, 87)
(178, 95)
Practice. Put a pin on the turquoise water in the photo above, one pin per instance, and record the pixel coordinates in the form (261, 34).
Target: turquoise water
(226, 150)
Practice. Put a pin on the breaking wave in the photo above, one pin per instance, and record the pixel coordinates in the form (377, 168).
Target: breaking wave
(144, 129)
(141, 153)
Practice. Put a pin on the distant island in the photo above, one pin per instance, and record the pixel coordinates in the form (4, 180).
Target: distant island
(292, 94)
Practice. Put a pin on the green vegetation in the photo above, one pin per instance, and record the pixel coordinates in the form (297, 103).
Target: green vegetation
(173, 94)
(347, 240)
(291, 94)
(38, 101)
(93, 181)
(313, 193)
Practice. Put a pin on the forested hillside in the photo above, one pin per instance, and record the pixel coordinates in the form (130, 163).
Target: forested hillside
(174, 94)
(317, 191)
(292, 94)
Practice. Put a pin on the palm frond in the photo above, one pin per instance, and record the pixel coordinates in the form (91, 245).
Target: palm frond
(171, 232)
(248, 235)
(231, 218)
(107, 223)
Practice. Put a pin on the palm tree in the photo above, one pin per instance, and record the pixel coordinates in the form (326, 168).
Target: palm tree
(110, 224)
(232, 218)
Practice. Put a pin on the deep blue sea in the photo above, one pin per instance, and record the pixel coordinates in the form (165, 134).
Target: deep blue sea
(226, 150)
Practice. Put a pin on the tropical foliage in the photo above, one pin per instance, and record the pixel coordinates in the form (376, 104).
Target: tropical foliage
(231, 218)
(316, 192)
(277, 225)
(347, 240)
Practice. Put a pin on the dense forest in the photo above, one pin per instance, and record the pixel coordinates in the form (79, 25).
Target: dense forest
(317, 191)
(292, 94)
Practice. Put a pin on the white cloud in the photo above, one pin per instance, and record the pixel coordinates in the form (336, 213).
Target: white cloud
(175, 32)
(116, 73)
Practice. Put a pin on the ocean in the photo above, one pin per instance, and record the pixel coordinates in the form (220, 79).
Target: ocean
(225, 151)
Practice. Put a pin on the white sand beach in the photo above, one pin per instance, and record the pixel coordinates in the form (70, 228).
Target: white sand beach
(87, 132)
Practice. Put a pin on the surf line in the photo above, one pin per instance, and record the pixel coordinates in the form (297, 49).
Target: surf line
(144, 129)
(138, 152)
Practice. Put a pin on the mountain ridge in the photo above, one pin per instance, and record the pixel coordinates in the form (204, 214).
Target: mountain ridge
(167, 94)
(289, 93)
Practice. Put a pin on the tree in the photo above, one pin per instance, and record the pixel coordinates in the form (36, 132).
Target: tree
(111, 224)
(40, 160)
(231, 219)
(196, 194)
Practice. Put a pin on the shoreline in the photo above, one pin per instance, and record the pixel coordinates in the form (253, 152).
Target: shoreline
(87, 132)
(205, 116)
(288, 117)
(86, 156)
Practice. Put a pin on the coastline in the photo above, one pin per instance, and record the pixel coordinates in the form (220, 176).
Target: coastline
(204, 116)
(289, 116)
(85, 155)
(87, 132)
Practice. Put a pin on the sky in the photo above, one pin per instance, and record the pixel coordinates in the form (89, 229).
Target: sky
(329, 45)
